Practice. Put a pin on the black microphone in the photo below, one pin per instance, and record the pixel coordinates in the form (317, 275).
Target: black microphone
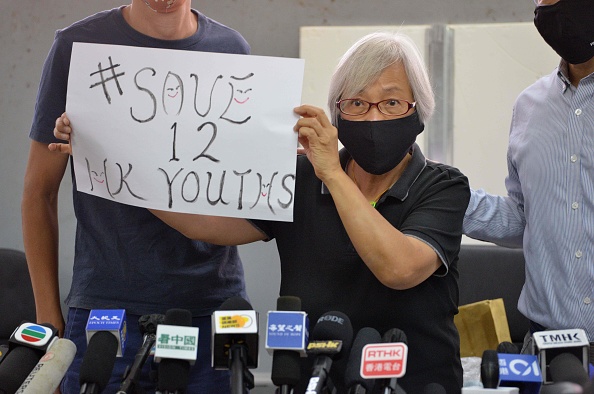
(507, 348)
(330, 340)
(393, 335)
(490, 369)
(434, 388)
(286, 370)
(148, 327)
(551, 343)
(51, 368)
(174, 371)
(27, 344)
(354, 382)
(566, 367)
(98, 362)
(235, 342)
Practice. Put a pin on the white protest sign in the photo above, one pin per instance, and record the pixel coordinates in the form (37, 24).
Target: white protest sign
(185, 131)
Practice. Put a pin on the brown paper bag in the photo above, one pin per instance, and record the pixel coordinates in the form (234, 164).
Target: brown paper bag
(482, 325)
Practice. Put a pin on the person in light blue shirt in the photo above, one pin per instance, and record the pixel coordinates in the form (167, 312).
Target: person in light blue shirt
(549, 208)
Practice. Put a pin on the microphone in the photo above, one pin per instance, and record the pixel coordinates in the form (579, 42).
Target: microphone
(354, 381)
(235, 342)
(568, 368)
(393, 352)
(176, 350)
(98, 362)
(286, 338)
(521, 371)
(508, 348)
(549, 344)
(51, 368)
(148, 327)
(562, 388)
(108, 320)
(434, 388)
(490, 369)
(106, 339)
(330, 339)
(27, 344)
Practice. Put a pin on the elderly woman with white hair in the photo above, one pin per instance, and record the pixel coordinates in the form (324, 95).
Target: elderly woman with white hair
(377, 227)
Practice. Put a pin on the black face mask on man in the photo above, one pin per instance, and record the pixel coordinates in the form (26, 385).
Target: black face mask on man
(567, 26)
(378, 146)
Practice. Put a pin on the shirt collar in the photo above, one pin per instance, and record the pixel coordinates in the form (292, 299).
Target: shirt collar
(402, 186)
(563, 74)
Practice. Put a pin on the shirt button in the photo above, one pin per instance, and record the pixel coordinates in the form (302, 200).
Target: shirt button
(578, 112)
(587, 300)
(573, 158)
(578, 254)
(575, 205)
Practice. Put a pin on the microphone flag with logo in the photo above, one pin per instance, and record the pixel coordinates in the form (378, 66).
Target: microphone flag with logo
(27, 344)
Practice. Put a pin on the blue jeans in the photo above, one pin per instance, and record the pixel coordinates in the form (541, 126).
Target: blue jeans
(203, 378)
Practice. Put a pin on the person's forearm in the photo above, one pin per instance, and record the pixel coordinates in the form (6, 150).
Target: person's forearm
(398, 261)
(40, 237)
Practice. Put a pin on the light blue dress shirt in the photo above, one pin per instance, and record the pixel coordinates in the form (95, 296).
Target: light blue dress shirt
(549, 209)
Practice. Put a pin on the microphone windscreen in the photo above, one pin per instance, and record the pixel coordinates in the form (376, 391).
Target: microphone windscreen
(286, 369)
(566, 367)
(288, 303)
(148, 323)
(394, 335)
(490, 369)
(434, 388)
(508, 348)
(334, 326)
(173, 373)
(352, 375)
(99, 359)
(178, 317)
(235, 304)
(16, 366)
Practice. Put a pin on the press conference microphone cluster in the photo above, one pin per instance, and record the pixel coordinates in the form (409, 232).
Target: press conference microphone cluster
(27, 345)
(235, 342)
(330, 340)
(505, 370)
(287, 335)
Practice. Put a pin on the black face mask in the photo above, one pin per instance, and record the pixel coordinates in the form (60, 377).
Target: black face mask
(378, 146)
(568, 27)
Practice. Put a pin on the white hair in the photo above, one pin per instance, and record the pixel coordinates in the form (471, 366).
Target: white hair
(363, 63)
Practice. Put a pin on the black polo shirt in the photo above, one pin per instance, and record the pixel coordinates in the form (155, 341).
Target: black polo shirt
(320, 265)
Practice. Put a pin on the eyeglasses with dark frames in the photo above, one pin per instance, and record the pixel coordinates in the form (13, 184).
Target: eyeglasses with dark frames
(389, 107)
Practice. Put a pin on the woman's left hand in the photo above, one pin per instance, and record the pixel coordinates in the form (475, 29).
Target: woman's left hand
(319, 139)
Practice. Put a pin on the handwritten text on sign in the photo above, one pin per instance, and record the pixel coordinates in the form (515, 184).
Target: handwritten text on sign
(185, 131)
